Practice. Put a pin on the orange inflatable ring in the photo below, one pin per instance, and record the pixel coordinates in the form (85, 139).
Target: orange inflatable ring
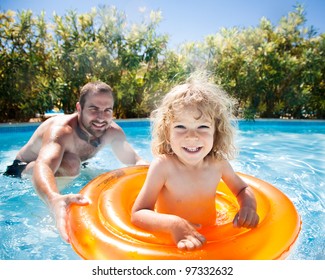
(103, 230)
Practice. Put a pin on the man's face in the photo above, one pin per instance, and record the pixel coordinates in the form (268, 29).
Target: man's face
(97, 113)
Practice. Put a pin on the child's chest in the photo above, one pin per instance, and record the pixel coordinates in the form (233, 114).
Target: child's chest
(191, 186)
(190, 196)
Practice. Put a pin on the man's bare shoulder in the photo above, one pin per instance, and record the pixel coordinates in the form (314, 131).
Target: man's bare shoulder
(114, 133)
(55, 129)
(59, 125)
(115, 127)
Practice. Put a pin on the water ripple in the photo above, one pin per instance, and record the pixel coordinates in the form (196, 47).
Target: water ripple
(288, 155)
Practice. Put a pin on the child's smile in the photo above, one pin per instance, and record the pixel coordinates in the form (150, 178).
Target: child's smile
(192, 149)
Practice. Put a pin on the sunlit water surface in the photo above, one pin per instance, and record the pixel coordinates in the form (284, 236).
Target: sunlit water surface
(288, 154)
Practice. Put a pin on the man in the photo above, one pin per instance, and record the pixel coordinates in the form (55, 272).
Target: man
(60, 144)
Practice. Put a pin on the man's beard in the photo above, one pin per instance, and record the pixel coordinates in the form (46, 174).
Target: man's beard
(90, 130)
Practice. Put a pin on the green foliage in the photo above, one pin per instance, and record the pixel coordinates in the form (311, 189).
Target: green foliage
(24, 59)
(273, 71)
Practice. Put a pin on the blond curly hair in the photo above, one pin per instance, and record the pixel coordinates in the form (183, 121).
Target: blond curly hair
(211, 101)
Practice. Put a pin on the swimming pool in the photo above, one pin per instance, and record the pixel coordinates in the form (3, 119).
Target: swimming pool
(286, 153)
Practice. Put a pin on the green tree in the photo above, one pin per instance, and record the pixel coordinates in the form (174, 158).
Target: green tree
(273, 71)
(23, 70)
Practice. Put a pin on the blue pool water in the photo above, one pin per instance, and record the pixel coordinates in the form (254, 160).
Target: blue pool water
(288, 154)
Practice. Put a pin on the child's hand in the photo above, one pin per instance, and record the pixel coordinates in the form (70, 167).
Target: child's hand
(246, 217)
(186, 236)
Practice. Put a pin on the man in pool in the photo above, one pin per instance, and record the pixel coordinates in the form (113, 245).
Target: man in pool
(60, 145)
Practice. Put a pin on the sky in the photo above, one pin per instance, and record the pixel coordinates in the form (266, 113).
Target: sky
(186, 20)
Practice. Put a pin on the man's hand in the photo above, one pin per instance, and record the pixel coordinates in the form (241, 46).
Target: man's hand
(142, 162)
(59, 206)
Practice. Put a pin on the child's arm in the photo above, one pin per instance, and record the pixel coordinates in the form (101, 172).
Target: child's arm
(143, 215)
(247, 216)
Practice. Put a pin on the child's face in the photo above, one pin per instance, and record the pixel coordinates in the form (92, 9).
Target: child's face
(191, 138)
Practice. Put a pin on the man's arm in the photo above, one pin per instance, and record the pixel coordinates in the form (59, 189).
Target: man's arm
(123, 150)
(47, 163)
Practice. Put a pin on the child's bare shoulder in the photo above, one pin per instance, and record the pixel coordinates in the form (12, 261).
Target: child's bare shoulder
(164, 160)
(167, 163)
